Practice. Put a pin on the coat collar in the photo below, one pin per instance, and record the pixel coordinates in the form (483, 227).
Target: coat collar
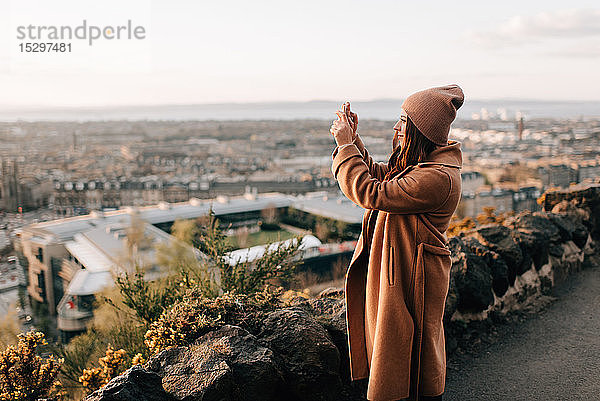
(449, 155)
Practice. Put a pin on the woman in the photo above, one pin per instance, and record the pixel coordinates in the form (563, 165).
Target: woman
(397, 281)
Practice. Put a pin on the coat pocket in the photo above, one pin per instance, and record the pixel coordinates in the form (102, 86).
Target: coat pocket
(390, 270)
(435, 249)
(434, 264)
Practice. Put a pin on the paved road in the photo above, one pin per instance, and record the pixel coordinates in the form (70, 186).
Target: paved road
(554, 355)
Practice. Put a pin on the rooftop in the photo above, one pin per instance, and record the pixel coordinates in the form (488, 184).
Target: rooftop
(319, 203)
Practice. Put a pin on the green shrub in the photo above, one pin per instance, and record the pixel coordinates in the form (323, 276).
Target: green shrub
(196, 315)
(269, 226)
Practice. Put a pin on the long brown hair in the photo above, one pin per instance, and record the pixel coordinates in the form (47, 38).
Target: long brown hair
(413, 150)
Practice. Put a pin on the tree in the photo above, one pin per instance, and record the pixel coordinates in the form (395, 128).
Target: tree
(117, 326)
(269, 213)
(489, 216)
(241, 236)
(459, 225)
(341, 228)
(323, 228)
(136, 240)
(147, 299)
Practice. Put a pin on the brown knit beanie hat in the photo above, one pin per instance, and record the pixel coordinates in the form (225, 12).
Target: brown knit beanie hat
(433, 110)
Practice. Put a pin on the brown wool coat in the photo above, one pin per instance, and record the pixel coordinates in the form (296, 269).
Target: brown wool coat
(397, 281)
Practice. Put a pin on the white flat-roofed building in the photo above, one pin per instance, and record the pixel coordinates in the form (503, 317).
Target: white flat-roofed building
(336, 207)
(309, 248)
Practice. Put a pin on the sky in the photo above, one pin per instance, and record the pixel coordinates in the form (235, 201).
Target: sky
(239, 51)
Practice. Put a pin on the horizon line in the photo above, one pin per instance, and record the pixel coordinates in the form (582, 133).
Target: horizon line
(262, 102)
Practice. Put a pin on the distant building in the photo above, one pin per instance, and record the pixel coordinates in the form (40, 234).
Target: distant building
(12, 278)
(81, 197)
(504, 199)
(471, 180)
(587, 171)
(557, 175)
(16, 190)
(526, 199)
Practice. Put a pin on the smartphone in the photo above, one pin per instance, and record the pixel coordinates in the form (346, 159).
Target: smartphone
(346, 111)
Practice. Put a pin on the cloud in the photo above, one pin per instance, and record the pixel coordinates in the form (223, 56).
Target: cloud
(577, 49)
(525, 29)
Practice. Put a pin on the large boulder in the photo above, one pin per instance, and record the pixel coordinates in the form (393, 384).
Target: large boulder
(135, 384)
(583, 202)
(330, 312)
(498, 267)
(569, 228)
(500, 240)
(472, 279)
(331, 292)
(538, 237)
(224, 364)
(310, 358)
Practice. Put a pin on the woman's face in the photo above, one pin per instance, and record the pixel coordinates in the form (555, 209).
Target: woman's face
(399, 130)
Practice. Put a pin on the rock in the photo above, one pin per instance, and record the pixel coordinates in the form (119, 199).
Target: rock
(498, 267)
(535, 248)
(331, 292)
(225, 364)
(539, 221)
(500, 240)
(310, 358)
(582, 202)
(135, 384)
(331, 314)
(569, 228)
(538, 236)
(472, 278)
(451, 300)
(326, 306)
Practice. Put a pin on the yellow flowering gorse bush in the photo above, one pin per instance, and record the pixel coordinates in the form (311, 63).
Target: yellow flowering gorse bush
(111, 365)
(24, 375)
(196, 315)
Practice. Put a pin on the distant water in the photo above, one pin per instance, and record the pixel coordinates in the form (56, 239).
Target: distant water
(383, 109)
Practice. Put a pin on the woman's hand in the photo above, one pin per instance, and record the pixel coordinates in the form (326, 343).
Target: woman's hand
(341, 130)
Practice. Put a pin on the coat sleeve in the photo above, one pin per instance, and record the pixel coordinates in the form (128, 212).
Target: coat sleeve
(421, 190)
(377, 170)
